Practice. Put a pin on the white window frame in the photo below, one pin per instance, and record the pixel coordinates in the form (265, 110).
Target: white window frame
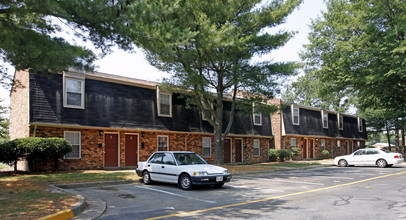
(158, 142)
(291, 141)
(293, 115)
(256, 114)
(66, 156)
(340, 120)
(81, 79)
(206, 109)
(324, 121)
(158, 95)
(358, 144)
(206, 143)
(360, 128)
(257, 145)
(339, 146)
(323, 144)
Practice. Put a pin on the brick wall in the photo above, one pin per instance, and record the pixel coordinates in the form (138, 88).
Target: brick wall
(276, 121)
(19, 104)
(92, 146)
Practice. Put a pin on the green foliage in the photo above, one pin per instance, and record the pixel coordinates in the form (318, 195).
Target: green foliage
(358, 46)
(273, 155)
(4, 123)
(34, 33)
(208, 47)
(295, 152)
(284, 154)
(325, 154)
(35, 150)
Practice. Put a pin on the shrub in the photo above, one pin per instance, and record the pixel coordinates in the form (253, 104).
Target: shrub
(282, 154)
(273, 155)
(35, 149)
(325, 154)
(295, 152)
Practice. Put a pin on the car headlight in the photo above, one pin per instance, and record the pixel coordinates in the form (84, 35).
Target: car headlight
(200, 173)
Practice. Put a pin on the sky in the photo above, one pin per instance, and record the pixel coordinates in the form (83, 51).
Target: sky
(135, 65)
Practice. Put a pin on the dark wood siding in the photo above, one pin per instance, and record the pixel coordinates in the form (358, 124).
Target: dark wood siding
(310, 123)
(123, 106)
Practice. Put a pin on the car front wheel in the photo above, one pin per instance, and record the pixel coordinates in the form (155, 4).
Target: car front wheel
(381, 163)
(342, 163)
(146, 178)
(185, 182)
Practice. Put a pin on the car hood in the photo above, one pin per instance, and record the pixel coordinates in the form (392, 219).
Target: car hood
(210, 169)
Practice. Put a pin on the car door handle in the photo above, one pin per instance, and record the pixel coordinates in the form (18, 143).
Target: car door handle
(149, 165)
(163, 167)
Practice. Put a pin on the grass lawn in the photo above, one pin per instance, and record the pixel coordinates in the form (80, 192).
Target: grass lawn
(30, 197)
(2, 166)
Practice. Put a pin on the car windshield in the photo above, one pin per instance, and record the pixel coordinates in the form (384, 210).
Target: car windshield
(188, 159)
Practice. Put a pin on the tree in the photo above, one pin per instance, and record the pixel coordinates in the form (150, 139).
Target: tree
(4, 123)
(30, 33)
(360, 46)
(311, 91)
(208, 47)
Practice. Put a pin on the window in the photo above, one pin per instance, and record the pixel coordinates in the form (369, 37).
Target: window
(257, 116)
(168, 159)
(206, 147)
(293, 142)
(164, 104)
(163, 143)
(339, 147)
(74, 91)
(358, 144)
(256, 147)
(295, 115)
(324, 119)
(340, 121)
(360, 124)
(323, 144)
(74, 139)
(206, 111)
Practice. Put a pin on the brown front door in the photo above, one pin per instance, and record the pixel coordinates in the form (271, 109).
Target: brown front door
(238, 151)
(305, 149)
(131, 150)
(111, 150)
(227, 151)
(310, 148)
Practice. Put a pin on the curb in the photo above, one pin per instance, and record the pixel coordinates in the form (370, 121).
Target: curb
(80, 205)
(72, 211)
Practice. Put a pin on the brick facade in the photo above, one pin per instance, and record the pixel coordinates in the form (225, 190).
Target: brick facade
(92, 154)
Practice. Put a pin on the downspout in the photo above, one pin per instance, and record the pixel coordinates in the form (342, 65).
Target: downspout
(186, 141)
(35, 130)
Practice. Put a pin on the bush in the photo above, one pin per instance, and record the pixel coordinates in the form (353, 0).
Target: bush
(295, 152)
(325, 154)
(273, 155)
(35, 149)
(282, 154)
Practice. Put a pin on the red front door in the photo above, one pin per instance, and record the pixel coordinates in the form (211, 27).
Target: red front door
(238, 151)
(310, 149)
(111, 150)
(227, 151)
(131, 150)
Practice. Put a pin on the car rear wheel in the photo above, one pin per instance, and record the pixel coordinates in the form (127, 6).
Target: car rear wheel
(381, 163)
(342, 163)
(146, 178)
(185, 182)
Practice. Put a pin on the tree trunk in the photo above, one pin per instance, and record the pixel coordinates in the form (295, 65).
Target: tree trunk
(15, 165)
(388, 135)
(403, 135)
(218, 132)
(397, 135)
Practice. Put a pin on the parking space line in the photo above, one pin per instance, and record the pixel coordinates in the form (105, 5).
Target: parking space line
(277, 197)
(174, 194)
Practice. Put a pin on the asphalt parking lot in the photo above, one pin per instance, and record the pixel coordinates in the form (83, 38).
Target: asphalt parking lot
(322, 193)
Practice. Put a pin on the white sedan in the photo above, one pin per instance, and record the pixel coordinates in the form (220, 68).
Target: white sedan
(181, 167)
(369, 157)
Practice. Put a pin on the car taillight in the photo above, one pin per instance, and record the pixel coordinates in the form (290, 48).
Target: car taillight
(397, 156)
